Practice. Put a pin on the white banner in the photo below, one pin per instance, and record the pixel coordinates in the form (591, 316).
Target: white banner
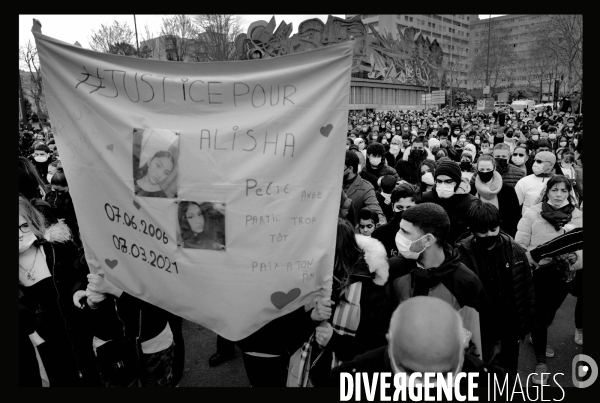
(209, 189)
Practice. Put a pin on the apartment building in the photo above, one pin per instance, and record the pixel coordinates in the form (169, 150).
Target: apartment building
(518, 30)
(452, 31)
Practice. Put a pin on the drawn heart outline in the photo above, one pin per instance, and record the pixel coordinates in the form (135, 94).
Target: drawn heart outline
(325, 130)
(111, 263)
(281, 299)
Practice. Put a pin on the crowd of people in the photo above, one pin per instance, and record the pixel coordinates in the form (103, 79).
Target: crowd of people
(459, 236)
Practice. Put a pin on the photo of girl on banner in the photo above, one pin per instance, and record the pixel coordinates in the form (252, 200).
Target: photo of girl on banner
(201, 225)
(155, 154)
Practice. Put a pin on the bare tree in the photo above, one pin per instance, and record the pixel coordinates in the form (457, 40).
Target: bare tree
(217, 33)
(179, 33)
(501, 60)
(564, 35)
(150, 46)
(29, 61)
(116, 39)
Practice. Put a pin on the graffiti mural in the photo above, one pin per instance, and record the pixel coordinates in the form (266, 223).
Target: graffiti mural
(410, 59)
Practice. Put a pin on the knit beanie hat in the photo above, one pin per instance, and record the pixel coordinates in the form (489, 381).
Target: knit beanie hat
(545, 156)
(449, 168)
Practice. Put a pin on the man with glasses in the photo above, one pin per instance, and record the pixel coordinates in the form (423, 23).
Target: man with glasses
(447, 180)
(403, 197)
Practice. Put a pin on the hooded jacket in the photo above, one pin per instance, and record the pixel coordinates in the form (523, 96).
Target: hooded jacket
(522, 291)
(452, 282)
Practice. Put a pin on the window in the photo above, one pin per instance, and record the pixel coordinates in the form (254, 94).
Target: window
(468, 18)
(429, 24)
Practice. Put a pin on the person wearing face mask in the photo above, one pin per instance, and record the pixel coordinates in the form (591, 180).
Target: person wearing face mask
(394, 155)
(408, 168)
(429, 265)
(510, 174)
(62, 203)
(490, 188)
(529, 187)
(520, 159)
(455, 132)
(502, 266)
(426, 179)
(384, 193)
(403, 197)
(375, 163)
(358, 189)
(573, 172)
(447, 180)
(553, 214)
(466, 165)
(40, 160)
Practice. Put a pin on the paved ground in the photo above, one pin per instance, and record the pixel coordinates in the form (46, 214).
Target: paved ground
(201, 344)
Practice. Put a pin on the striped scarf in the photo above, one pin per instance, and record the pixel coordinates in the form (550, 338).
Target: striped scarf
(346, 319)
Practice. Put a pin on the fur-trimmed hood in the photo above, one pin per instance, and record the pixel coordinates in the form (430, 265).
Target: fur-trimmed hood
(58, 232)
(375, 257)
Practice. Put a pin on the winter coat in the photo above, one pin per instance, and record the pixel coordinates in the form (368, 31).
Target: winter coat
(381, 170)
(372, 270)
(65, 329)
(392, 161)
(522, 292)
(386, 234)
(452, 282)
(510, 177)
(509, 207)
(362, 194)
(456, 207)
(533, 230)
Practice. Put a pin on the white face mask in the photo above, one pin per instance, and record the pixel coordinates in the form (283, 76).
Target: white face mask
(552, 135)
(26, 242)
(375, 161)
(49, 176)
(444, 190)
(394, 149)
(538, 168)
(518, 160)
(427, 178)
(41, 158)
(404, 245)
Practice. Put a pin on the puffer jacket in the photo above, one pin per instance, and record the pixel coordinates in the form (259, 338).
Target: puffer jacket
(522, 280)
(533, 230)
(510, 177)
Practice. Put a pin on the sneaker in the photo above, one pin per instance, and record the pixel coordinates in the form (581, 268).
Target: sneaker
(541, 375)
(579, 336)
(549, 351)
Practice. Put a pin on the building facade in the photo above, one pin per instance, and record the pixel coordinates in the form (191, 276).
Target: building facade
(451, 31)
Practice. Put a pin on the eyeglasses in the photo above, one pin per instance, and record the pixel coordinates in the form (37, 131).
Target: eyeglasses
(447, 181)
(539, 161)
(518, 155)
(24, 228)
(369, 226)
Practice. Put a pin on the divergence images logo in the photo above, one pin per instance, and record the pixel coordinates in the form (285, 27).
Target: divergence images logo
(584, 370)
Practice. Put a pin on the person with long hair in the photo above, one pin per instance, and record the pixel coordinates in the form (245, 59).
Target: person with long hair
(150, 176)
(202, 226)
(553, 214)
(34, 190)
(425, 179)
(360, 272)
(48, 282)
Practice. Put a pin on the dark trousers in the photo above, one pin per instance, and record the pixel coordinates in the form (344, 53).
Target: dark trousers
(550, 292)
(225, 347)
(508, 358)
(176, 325)
(577, 291)
(266, 371)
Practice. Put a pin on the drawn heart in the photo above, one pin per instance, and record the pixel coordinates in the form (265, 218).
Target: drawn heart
(281, 299)
(136, 204)
(110, 147)
(326, 130)
(111, 263)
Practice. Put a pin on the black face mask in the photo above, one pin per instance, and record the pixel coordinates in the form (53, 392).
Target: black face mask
(501, 162)
(509, 134)
(416, 153)
(465, 166)
(485, 176)
(398, 215)
(487, 241)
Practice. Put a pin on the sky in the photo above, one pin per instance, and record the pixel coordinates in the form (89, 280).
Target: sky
(71, 28)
